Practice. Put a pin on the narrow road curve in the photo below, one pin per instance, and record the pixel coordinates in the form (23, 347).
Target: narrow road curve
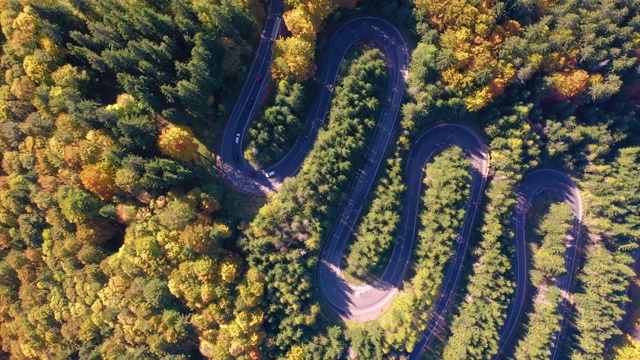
(230, 161)
(367, 29)
(533, 185)
(366, 302)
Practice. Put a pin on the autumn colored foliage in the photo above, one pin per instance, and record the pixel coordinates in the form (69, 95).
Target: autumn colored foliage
(178, 142)
(294, 55)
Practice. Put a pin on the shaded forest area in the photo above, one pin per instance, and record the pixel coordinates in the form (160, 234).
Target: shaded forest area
(115, 240)
(447, 182)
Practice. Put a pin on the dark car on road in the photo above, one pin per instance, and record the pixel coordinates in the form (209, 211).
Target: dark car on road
(258, 78)
(236, 158)
(250, 102)
(251, 174)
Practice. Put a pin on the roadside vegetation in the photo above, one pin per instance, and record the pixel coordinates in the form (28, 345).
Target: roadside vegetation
(474, 331)
(285, 238)
(547, 98)
(548, 254)
(614, 205)
(294, 55)
(447, 183)
(369, 251)
(272, 134)
(114, 239)
(118, 238)
(551, 225)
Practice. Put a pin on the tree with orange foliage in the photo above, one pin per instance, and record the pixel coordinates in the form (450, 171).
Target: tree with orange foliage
(99, 179)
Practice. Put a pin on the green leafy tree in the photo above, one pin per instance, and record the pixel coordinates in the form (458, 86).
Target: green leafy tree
(76, 205)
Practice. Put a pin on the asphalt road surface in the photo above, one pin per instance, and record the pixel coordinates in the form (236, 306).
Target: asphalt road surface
(237, 172)
(534, 185)
(366, 302)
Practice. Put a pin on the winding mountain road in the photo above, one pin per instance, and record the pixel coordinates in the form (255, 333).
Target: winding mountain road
(230, 160)
(535, 184)
(366, 302)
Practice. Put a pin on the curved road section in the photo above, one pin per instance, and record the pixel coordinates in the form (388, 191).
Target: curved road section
(532, 186)
(231, 162)
(474, 148)
(367, 302)
(373, 30)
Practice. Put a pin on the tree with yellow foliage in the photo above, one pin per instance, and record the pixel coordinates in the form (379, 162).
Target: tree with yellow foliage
(300, 23)
(294, 56)
(179, 143)
(293, 59)
(569, 84)
(448, 14)
(471, 38)
(629, 350)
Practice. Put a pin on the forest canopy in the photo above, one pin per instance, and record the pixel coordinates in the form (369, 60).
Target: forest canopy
(120, 239)
(112, 230)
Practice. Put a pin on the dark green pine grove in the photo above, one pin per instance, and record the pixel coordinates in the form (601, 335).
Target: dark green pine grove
(272, 135)
(285, 237)
(447, 183)
(480, 315)
(368, 253)
(118, 238)
(547, 246)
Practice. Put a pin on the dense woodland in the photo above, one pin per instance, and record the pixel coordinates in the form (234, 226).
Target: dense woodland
(286, 235)
(113, 234)
(271, 136)
(118, 238)
(369, 251)
(547, 247)
(447, 189)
